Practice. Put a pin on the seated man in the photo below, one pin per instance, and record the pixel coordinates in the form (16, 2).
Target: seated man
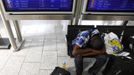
(89, 44)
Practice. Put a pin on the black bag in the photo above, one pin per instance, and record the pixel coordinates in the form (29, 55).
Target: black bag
(60, 71)
(120, 66)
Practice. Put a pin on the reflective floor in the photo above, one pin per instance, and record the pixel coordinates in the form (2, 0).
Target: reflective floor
(43, 50)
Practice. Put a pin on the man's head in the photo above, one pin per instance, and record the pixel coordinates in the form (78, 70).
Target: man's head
(97, 43)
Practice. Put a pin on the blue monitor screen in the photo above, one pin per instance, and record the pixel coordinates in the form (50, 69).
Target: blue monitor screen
(38, 5)
(111, 5)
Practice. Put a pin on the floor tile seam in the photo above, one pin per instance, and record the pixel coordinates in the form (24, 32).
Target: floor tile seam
(24, 60)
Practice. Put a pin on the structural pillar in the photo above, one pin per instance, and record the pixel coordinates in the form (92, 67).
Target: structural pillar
(17, 28)
(9, 30)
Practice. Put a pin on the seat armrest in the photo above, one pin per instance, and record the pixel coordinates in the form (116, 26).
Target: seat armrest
(132, 44)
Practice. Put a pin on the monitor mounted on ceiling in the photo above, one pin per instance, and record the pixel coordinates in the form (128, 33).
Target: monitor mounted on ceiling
(110, 6)
(39, 6)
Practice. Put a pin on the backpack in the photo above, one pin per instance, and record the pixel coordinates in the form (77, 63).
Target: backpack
(112, 43)
(119, 66)
(60, 71)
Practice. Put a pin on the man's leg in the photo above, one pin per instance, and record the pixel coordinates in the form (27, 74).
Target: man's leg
(100, 62)
(79, 65)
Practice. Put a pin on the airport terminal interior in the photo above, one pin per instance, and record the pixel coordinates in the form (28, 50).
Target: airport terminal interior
(37, 41)
(44, 48)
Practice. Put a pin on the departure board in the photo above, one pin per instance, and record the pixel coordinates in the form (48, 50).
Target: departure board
(38, 5)
(111, 5)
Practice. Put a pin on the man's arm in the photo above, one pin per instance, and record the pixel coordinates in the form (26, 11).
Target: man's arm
(95, 52)
(87, 52)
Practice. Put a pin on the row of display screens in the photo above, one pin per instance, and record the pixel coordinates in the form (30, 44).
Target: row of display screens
(67, 5)
(110, 5)
(38, 5)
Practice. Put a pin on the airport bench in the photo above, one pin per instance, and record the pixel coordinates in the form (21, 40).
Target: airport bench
(119, 65)
(74, 30)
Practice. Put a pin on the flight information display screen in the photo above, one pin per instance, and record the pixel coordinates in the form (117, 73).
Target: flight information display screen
(38, 5)
(111, 5)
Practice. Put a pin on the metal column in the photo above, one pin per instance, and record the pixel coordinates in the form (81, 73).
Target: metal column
(9, 30)
(78, 12)
(17, 28)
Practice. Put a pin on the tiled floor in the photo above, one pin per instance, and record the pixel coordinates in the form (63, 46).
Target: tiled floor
(44, 49)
